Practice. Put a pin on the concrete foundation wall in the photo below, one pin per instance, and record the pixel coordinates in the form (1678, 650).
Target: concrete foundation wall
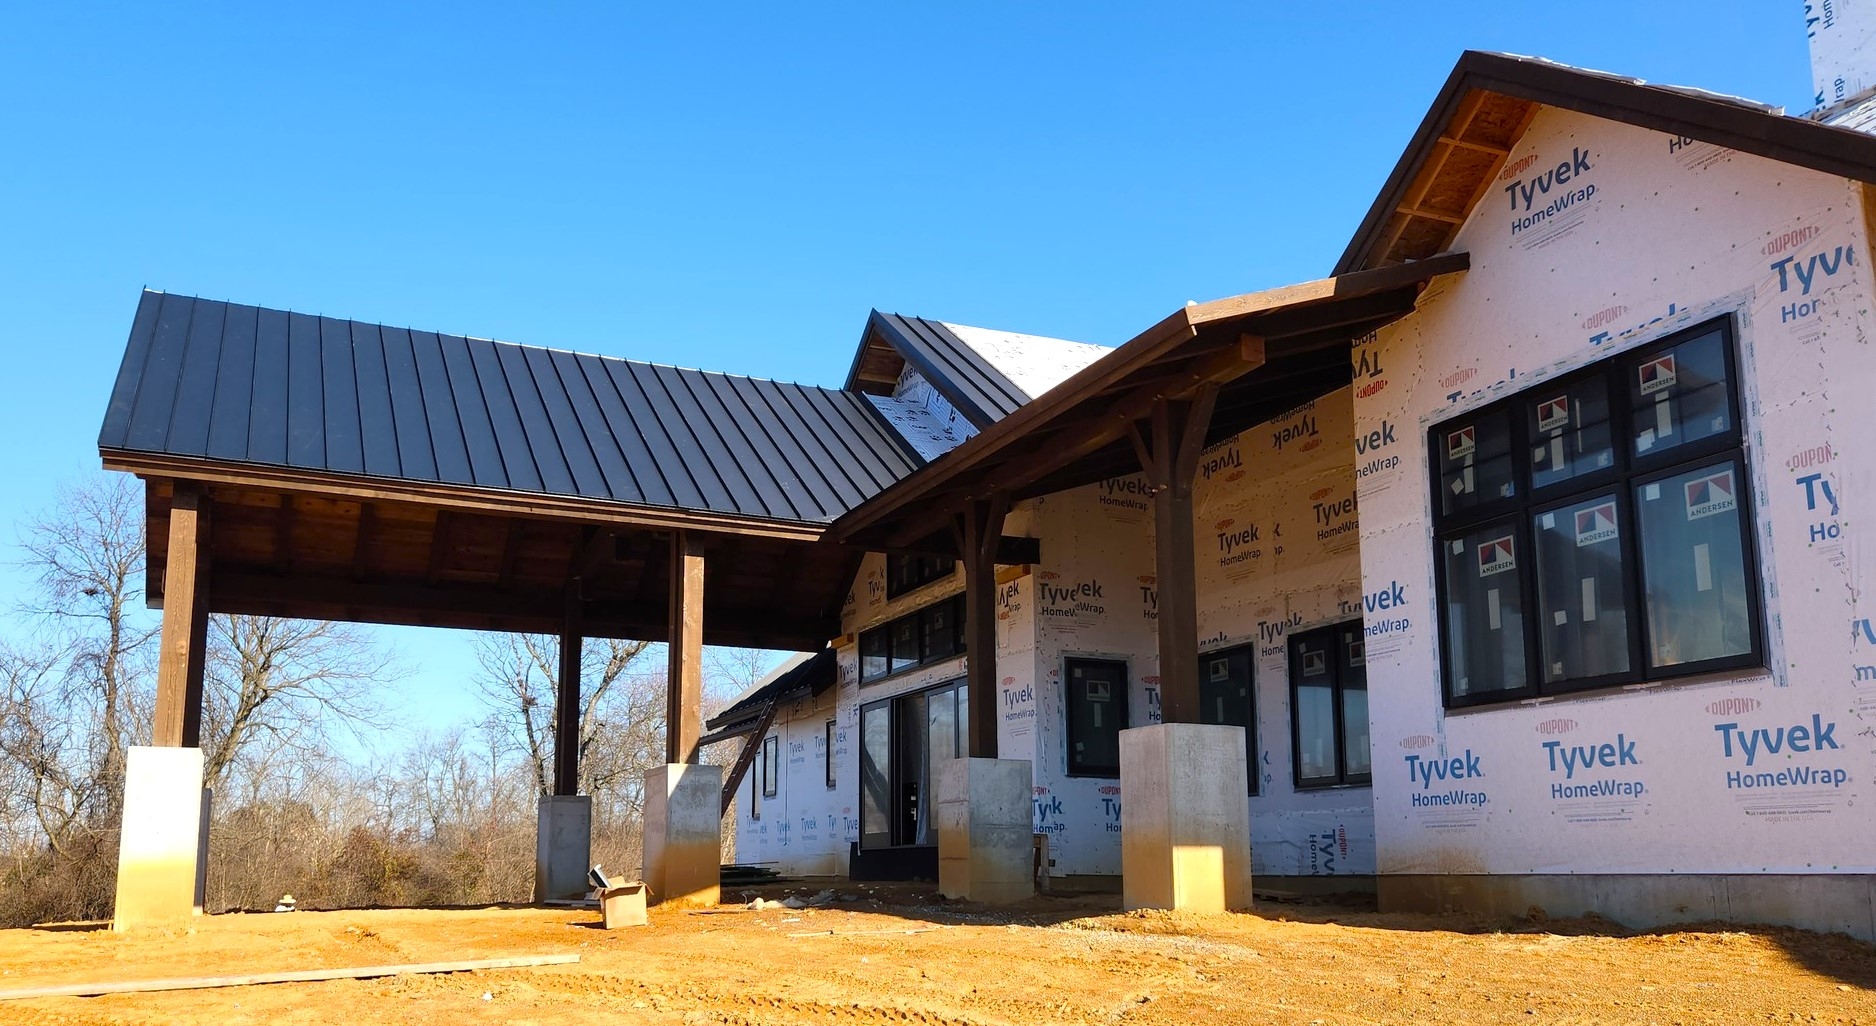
(1842, 903)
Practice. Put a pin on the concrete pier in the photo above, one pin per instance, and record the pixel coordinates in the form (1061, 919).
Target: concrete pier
(986, 829)
(1185, 820)
(563, 847)
(684, 834)
(162, 846)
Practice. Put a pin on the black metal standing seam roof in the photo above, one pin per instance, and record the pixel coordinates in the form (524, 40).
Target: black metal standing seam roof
(221, 381)
(981, 392)
(812, 677)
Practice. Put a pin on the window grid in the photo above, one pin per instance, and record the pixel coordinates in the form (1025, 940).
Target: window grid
(1598, 435)
(926, 635)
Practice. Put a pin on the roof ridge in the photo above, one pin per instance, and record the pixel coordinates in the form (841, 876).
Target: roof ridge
(497, 341)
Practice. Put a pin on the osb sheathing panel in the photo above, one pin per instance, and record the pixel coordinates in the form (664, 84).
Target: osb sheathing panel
(1498, 121)
(1458, 182)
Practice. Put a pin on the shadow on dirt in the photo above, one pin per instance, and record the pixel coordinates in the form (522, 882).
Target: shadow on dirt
(1834, 955)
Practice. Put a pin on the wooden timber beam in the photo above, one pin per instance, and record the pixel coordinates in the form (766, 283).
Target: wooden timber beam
(683, 721)
(491, 502)
(567, 698)
(483, 608)
(1169, 452)
(978, 528)
(180, 660)
(1052, 453)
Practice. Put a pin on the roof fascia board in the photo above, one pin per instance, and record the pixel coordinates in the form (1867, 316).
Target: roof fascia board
(485, 500)
(1819, 147)
(859, 354)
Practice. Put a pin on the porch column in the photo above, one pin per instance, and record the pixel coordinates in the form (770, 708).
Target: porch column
(178, 720)
(683, 817)
(162, 846)
(684, 684)
(984, 809)
(1170, 459)
(1185, 820)
(978, 527)
(563, 838)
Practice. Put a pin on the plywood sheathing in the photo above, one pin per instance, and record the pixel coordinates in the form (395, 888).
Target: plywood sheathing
(1466, 159)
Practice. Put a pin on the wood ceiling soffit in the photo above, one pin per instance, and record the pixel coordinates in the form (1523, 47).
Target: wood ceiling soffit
(1465, 160)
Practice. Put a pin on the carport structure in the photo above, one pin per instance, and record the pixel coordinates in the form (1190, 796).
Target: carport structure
(303, 466)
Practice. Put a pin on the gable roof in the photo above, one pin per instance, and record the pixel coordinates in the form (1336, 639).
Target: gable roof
(1487, 103)
(211, 381)
(977, 388)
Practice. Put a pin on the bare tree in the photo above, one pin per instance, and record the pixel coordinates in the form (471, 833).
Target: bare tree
(621, 715)
(283, 682)
(86, 553)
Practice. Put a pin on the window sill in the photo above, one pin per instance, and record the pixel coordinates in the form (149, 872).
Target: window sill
(1320, 788)
(1733, 675)
(908, 671)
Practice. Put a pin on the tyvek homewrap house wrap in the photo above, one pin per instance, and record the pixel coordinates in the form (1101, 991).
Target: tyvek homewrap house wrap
(1601, 250)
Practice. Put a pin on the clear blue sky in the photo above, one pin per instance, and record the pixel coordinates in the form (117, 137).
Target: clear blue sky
(725, 186)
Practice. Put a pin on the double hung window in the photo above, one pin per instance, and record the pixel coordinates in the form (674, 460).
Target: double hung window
(1597, 529)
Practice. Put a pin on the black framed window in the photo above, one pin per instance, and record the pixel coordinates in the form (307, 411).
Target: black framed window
(1329, 707)
(1225, 696)
(1097, 713)
(926, 635)
(1597, 529)
(911, 571)
(830, 754)
(771, 765)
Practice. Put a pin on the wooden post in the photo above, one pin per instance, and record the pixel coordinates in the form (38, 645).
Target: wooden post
(178, 719)
(1170, 458)
(567, 701)
(978, 527)
(683, 723)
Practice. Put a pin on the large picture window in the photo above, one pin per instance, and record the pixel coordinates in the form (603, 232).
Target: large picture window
(1597, 529)
(928, 635)
(1329, 707)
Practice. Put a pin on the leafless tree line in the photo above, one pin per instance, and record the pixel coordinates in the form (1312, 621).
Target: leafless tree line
(309, 798)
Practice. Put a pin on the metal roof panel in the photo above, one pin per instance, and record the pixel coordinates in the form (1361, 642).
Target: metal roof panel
(239, 384)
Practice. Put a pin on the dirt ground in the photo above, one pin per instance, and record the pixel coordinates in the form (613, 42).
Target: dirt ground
(897, 955)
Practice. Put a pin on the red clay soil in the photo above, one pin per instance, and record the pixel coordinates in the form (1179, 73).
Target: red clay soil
(892, 955)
